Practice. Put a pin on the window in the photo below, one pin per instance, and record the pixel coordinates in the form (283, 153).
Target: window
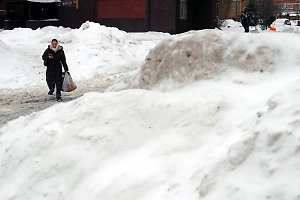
(287, 6)
(235, 4)
(183, 9)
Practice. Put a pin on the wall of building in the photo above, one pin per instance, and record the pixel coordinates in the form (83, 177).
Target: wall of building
(129, 15)
(141, 15)
(290, 5)
(130, 9)
(240, 6)
(73, 17)
(2, 15)
(162, 16)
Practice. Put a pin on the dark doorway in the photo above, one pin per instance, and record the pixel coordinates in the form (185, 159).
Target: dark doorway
(195, 15)
(162, 15)
(43, 11)
(203, 14)
(17, 10)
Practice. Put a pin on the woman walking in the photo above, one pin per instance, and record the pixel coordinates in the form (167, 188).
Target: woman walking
(54, 58)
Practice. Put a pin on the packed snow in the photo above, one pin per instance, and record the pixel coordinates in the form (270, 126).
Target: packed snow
(202, 115)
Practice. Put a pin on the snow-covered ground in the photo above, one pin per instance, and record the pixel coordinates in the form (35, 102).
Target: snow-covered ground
(205, 115)
(234, 26)
(90, 50)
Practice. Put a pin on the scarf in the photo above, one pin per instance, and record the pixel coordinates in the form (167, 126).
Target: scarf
(55, 49)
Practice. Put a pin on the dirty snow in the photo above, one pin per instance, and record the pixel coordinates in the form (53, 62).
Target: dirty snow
(209, 54)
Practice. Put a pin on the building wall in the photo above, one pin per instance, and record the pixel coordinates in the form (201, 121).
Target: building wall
(73, 17)
(129, 15)
(241, 5)
(132, 9)
(162, 16)
(2, 15)
(141, 15)
(290, 5)
(200, 15)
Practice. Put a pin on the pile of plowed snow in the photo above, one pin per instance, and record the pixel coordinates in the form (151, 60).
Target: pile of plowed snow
(207, 54)
(231, 23)
(231, 133)
(201, 143)
(291, 29)
(281, 27)
(15, 67)
(90, 50)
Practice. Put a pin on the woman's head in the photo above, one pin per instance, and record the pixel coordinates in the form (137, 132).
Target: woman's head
(54, 43)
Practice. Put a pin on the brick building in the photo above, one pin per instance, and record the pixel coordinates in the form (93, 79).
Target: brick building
(172, 16)
(290, 6)
(25, 13)
(236, 8)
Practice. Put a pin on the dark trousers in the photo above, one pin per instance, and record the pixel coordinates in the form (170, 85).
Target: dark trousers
(246, 29)
(54, 80)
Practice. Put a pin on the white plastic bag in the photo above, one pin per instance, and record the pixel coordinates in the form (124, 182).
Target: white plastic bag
(68, 84)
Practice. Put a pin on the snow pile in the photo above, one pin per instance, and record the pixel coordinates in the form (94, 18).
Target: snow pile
(224, 135)
(209, 143)
(13, 66)
(99, 49)
(231, 23)
(281, 27)
(90, 50)
(268, 154)
(207, 54)
(291, 29)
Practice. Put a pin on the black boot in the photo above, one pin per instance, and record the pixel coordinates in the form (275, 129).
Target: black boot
(58, 96)
(50, 92)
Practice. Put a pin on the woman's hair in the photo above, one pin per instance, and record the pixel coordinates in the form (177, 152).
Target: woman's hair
(54, 40)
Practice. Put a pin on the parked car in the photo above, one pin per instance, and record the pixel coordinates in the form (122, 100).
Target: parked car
(287, 22)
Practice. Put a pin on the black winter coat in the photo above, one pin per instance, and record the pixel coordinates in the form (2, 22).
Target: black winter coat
(245, 20)
(54, 65)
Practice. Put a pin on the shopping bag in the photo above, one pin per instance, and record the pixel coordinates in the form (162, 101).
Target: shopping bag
(68, 84)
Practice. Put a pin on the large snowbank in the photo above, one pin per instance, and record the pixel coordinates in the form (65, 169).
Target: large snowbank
(210, 142)
(92, 49)
(222, 135)
(207, 54)
(12, 68)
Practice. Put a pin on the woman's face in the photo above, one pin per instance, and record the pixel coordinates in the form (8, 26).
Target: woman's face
(54, 44)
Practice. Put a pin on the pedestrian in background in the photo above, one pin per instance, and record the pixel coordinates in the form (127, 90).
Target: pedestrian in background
(245, 22)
